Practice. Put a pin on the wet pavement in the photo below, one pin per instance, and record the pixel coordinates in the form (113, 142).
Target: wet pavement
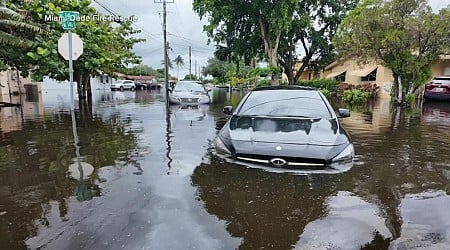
(140, 179)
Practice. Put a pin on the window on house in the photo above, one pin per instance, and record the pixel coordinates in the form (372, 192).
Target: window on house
(340, 77)
(101, 79)
(372, 76)
(107, 79)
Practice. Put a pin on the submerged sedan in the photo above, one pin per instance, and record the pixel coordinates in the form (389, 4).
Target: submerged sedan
(189, 93)
(285, 127)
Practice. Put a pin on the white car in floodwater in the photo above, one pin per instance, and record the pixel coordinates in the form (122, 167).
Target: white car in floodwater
(189, 93)
(123, 84)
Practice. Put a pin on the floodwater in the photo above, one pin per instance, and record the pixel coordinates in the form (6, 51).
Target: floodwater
(141, 179)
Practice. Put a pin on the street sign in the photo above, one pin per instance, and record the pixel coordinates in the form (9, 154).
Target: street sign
(77, 46)
(68, 19)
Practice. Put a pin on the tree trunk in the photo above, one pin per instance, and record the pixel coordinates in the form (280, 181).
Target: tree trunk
(78, 78)
(398, 99)
(88, 86)
(270, 48)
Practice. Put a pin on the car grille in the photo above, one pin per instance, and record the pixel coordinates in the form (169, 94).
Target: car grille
(189, 100)
(290, 162)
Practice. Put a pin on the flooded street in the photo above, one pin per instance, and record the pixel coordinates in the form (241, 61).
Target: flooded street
(145, 180)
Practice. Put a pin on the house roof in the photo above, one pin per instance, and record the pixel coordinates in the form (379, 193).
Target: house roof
(363, 72)
(141, 78)
(334, 74)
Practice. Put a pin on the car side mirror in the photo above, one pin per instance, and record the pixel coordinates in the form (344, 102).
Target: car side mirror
(228, 110)
(208, 90)
(343, 113)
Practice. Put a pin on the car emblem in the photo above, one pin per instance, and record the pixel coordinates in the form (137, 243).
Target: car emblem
(278, 162)
(278, 148)
(189, 100)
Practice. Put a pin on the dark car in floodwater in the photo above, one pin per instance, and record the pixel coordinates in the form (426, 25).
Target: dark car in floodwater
(286, 127)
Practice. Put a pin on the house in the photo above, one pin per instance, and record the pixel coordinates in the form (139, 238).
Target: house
(349, 70)
(143, 79)
(307, 74)
(12, 83)
(442, 67)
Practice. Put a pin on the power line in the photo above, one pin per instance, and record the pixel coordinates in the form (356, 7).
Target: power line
(112, 12)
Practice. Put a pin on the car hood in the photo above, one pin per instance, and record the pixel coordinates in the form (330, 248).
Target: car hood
(301, 131)
(187, 94)
(317, 138)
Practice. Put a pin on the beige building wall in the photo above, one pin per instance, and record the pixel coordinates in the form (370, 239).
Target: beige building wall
(10, 83)
(306, 74)
(442, 67)
(354, 73)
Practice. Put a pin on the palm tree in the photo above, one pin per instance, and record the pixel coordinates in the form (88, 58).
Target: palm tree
(180, 62)
(10, 23)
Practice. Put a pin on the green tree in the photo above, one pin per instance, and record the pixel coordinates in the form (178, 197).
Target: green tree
(403, 35)
(313, 27)
(179, 62)
(217, 69)
(15, 35)
(142, 69)
(248, 28)
(272, 30)
(190, 77)
(169, 64)
(107, 48)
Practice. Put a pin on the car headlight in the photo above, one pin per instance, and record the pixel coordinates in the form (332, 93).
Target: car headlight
(220, 146)
(347, 154)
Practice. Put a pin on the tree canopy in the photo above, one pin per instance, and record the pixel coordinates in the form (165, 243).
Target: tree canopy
(274, 30)
(107, 46)
(179, 61)
(15, 35)
(403, 35)
(143, 70)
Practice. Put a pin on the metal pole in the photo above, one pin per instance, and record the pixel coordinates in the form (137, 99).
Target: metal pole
(166, 61)
(190, 64)
(71, 71)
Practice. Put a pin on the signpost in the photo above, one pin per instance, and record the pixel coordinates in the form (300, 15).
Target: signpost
(65, 44)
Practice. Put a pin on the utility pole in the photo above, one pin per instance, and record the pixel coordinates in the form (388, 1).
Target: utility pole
(190, 64)
(166, 57)
(196, 69)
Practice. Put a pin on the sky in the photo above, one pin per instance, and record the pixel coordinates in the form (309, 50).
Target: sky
(184, 30)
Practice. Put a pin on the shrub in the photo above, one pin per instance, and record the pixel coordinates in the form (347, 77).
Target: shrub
(264, 83)
(410, 98)
(328, 84)
(355, 96)
(328, 94)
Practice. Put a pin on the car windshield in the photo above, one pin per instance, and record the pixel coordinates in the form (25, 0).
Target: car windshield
(188, 87)
(285, 103)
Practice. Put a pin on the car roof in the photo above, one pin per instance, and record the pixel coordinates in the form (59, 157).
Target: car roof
(284, 87)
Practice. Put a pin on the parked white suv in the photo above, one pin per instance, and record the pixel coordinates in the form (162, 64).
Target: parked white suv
(123, 84)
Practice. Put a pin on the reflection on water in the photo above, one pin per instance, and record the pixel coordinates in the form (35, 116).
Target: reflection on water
(350, 222)
(426, 221)
(35, 156)
(395, 197)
